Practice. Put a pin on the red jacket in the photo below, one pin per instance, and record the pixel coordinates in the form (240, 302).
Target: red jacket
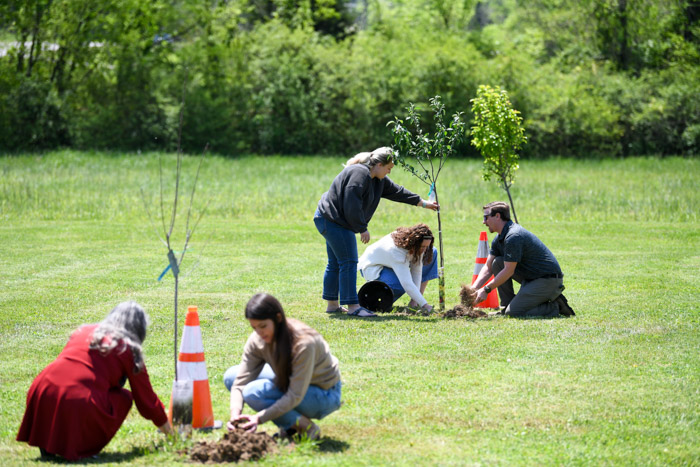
(77, 403)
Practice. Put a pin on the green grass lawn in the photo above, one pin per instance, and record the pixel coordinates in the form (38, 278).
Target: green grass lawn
(619, 384)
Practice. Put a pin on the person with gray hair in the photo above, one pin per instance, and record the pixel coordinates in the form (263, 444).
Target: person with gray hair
(344, 211)
(76, 404)
(517, 254)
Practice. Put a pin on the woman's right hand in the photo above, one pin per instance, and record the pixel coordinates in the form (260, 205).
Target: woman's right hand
(166, 428)
(364, 236)
(252, 422)
(230, 426)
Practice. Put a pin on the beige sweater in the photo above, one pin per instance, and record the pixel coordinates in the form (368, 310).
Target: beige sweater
(312, 363)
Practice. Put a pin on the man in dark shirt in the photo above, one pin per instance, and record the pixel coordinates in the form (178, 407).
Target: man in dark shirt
(518, 254)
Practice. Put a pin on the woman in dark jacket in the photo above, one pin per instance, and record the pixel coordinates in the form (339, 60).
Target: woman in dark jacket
(345, 210)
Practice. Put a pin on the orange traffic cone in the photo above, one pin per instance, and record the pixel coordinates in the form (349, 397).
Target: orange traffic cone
(481, 255)
(191, 365)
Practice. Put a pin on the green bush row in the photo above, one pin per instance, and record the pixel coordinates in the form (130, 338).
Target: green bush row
(276, 89)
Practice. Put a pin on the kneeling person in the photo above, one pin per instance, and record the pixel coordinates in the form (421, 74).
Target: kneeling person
(405, 260)
(518, 254)
(287, 374)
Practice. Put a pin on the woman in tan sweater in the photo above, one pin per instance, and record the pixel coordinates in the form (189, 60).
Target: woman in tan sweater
(287, 373)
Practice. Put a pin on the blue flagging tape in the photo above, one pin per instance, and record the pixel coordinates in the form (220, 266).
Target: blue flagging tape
(163, 273)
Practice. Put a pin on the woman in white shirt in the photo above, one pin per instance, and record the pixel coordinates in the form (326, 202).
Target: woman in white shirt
(405, 260)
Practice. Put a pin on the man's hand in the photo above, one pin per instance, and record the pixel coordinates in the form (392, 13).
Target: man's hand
(481, 295)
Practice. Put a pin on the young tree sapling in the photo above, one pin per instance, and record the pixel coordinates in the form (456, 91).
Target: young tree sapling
(430, 153)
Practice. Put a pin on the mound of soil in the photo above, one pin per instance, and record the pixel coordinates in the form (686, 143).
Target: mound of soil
(234, 446)
(461, 311)
(467, 296)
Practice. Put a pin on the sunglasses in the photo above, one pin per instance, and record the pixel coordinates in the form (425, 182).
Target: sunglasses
(486, 216)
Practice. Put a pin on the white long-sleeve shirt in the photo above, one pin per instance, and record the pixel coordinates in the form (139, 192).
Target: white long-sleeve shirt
(385, 253)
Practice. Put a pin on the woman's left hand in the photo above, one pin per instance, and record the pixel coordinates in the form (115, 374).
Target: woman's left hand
(253, 422)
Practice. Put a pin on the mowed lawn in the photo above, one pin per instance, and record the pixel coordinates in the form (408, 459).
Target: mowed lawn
(619, 384)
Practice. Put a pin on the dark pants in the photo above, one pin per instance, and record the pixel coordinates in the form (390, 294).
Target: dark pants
(534, 299)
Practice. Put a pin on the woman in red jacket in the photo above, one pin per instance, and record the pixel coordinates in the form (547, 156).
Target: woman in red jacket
(77, 403)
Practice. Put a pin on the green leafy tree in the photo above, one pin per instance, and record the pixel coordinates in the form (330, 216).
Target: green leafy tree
(430, 153)
(498, 134)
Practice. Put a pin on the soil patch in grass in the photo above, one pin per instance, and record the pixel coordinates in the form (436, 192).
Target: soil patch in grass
(465, 309)
(234, 446)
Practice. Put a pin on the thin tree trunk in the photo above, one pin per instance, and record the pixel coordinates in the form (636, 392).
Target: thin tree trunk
(441, 269)
(175, 329)
(510, 198)
(622, 10)
(20, 52)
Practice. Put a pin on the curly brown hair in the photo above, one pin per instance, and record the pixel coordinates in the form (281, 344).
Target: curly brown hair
(411, 239)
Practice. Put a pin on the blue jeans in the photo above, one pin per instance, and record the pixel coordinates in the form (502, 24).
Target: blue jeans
(340, 277)
(262, 393)
(388, 276)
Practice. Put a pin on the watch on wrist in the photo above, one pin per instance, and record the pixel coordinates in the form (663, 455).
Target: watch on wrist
(487, 289)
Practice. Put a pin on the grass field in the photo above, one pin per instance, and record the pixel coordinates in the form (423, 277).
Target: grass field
(619, 384)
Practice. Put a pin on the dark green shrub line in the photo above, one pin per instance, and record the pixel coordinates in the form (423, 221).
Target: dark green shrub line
(588, 82)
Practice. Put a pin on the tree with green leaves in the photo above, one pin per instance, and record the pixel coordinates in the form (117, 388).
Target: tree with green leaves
(498, 134)
(430, 153)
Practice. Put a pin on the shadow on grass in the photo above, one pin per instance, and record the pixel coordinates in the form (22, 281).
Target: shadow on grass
(387, 317)
(332, 445)
(102, 458)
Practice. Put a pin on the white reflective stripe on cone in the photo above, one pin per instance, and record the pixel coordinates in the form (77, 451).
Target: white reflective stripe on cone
(192, 340)
(483, 251)
(196, 371)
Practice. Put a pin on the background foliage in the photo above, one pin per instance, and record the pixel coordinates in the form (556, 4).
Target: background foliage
(590, 77)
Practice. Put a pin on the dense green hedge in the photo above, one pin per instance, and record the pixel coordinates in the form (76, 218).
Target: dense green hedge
(282, 85)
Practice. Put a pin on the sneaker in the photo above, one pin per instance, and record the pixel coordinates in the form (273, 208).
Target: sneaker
(564, 308)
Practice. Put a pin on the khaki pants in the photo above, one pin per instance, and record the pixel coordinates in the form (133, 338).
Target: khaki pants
(534, 299)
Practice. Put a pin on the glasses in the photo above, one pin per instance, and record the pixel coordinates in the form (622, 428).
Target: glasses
(486, 216)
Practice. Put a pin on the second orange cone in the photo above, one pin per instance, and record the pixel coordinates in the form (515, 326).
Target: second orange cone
(481, 255)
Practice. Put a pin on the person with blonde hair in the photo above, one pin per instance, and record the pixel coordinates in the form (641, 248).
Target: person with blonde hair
(405, 260)
(76, 404)
(344, 211)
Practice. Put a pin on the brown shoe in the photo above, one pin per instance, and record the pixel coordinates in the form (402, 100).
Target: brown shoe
(564, 308)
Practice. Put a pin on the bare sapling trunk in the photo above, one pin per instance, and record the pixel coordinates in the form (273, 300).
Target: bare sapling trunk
(441, 269)
(506, 187)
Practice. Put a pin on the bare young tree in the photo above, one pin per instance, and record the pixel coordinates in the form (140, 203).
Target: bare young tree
(166, 236)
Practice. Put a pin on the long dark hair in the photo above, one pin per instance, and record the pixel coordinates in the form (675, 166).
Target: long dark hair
(264, 306)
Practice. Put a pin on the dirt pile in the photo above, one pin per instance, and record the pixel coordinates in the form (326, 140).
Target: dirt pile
(467, 295)
(461, 311)
(235, 446)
